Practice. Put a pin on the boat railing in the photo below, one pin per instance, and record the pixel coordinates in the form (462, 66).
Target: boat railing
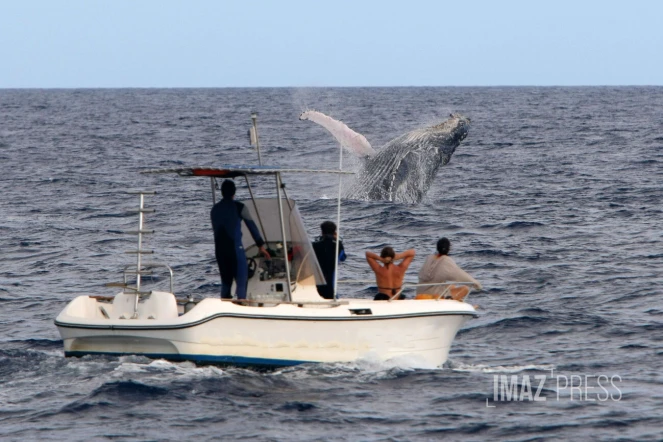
(445, 294)
(275, 302)
(145, 271)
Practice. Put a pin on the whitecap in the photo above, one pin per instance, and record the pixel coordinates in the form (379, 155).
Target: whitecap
(480, 368)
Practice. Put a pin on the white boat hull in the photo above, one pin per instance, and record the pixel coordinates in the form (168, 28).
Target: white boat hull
(218, 331)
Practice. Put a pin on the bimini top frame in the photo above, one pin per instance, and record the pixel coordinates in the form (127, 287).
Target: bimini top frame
(235, 171)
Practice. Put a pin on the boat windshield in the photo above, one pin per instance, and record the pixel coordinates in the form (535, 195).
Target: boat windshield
(304, 267)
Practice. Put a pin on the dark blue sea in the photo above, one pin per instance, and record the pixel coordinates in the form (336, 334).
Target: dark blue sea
(554, 202)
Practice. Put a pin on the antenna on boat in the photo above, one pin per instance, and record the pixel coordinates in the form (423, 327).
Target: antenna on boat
(279, 187)
(338, 220)
(253, 135)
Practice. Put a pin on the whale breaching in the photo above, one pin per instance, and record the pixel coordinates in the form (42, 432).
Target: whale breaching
(405, 167)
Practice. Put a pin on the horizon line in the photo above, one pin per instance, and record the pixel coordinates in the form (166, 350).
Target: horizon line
(328, 87)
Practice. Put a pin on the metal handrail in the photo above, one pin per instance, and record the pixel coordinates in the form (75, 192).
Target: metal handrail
(147, 266)
(407, 284)
(331, 302)
(444, 292)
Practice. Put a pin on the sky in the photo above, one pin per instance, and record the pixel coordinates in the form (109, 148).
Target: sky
(316, 43)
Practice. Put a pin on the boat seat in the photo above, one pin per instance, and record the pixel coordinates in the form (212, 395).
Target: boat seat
(123, 306)
(158, 305)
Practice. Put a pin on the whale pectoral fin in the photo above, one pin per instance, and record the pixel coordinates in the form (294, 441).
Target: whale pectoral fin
(353, 142)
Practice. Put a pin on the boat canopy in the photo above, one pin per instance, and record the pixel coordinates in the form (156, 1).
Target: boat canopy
(304, 267)
(301, 263)
(231, 171)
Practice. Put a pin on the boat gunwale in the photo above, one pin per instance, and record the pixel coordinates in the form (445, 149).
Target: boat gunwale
(353, 317)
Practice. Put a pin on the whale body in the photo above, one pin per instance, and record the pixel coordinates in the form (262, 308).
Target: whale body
(403, 170)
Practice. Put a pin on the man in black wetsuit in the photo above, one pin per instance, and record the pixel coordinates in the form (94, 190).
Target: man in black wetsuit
(325, 250)
(227, 216)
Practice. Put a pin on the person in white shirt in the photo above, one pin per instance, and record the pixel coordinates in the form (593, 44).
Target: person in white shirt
(440, 268)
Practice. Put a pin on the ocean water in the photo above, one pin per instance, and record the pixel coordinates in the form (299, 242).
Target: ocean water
(554, 202)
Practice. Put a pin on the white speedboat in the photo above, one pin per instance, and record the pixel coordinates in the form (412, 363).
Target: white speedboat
(283, 322)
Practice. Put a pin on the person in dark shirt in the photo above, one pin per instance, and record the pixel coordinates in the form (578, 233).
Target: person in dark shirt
(325, 250)
(227, 216)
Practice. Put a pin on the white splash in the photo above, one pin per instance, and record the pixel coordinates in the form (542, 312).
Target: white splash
(160, 367)
(480, 368)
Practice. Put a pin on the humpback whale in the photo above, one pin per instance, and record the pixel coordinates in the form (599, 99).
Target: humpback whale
(405, 167)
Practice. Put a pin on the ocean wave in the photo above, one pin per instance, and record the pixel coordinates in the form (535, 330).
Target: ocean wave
(26, 361)
(132, 365)
(36, 343)
(463, 428)
(129, 391)
(481, 368)
(515, 322)
(82, 407)
(367, 368)
(523, 224)
(297, 406)
(489, 252)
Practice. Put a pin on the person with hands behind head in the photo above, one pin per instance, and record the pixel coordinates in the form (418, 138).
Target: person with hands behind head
(389, 274)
